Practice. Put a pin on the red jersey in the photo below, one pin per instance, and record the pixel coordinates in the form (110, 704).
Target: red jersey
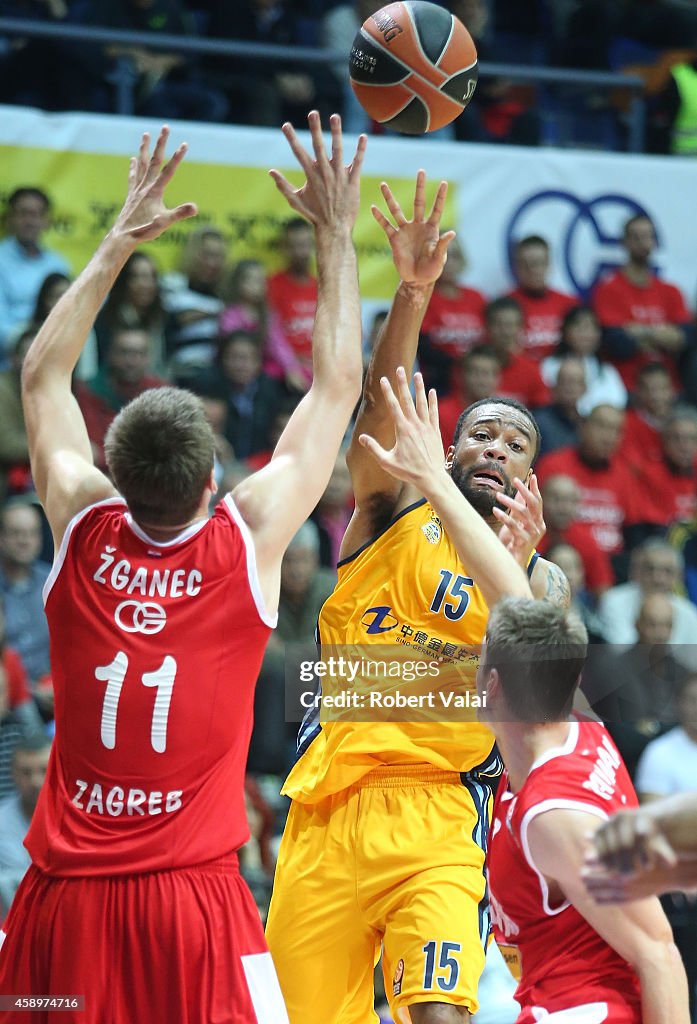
(455, 324)
(618, 302)
(608, 494)
(15, 678)
(641, 441)
(543, 319)
(296, 305)
(560, 962)
(664, 496)
(521, 379)
(155, 650)
(596, 564)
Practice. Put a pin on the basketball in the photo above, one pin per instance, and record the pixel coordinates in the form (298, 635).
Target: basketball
(413, 66)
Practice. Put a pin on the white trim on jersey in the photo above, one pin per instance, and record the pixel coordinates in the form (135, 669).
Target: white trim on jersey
(554, 804)
(567, 747)
(589, 1013)
(3, 936)
(63, 549)
(180, 537)
(264, 988)
(254, 585)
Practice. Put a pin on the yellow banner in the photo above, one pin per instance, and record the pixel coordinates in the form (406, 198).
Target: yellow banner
(87, 190)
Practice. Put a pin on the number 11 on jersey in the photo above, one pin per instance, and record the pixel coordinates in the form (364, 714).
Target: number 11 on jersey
(162, 679)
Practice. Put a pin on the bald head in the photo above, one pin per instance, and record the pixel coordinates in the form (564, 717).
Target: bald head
(655, 620)
(560, 498)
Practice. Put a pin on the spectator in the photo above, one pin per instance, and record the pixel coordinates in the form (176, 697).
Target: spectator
(655, 568)
(668, 488)
(608, 490)
(481, 376)
(22, 579)
(247, 310)
(29, 765)
(683, 537)
(560, 499)
(278, 423)
(543, 308)
(293, 291)
(193, 300)
(634, 690)
(24, 263)
(452, 325)
(332, 515)
(53, 287)
(653, 398)
(669, 763)
(19, 719)
(520, 375)
(644, 319)
(569, 561)
(125, 374)
(337, 30)
(250, 394)
(376, 323)
(559, 422)
(135, 303)
(15, 474)
(672, 119)
(168, 85)
(304, 589)
(581, 336)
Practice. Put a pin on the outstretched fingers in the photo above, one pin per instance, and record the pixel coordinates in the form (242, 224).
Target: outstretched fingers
(392, 204)
(299, 153)
(420, 197)
(421, 401)
(337, 141)
(357, 162)
(315, 125)
(158, 156)
(438, 204)
(170, 168)
(389, 229)
(289, 193)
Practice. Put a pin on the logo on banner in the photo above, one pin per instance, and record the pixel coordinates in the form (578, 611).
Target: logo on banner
(589, 233)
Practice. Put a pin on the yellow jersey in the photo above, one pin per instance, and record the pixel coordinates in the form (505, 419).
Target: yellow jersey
(405, 592)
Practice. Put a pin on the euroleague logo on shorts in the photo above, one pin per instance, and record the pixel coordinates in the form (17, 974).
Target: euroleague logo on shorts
(586, 232)
(140, 617)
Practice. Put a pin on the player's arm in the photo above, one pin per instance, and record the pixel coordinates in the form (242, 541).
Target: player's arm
(419, 254)
(276, 501)
(639, 932)
(65, 477)
(417, 459)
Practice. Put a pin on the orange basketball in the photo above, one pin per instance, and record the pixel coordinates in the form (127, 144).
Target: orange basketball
(413, 66)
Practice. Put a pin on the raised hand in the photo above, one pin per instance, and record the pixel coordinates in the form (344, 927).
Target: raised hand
(144, 215)
(417, 454)
(419, 250)
(629, 859)
(523, 526)
(331, 193)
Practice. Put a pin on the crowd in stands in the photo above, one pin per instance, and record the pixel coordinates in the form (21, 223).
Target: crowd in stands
(612, 384)
(655, 39)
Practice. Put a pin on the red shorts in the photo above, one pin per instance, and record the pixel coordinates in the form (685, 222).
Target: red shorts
(170, 947)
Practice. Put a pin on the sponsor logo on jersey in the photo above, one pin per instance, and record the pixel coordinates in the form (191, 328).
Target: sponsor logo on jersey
(379, 619)
(432, 531)
(397, 980)
(140, 617)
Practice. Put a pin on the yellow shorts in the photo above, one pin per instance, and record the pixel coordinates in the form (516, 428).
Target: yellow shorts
(394, 862)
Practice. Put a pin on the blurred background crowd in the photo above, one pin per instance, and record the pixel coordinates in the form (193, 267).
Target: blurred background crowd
(612, 378)
(654, 39)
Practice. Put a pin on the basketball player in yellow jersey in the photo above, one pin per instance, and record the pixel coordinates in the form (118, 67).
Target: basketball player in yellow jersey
(384, 844)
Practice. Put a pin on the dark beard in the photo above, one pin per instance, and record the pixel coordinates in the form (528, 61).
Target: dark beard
(482, 499)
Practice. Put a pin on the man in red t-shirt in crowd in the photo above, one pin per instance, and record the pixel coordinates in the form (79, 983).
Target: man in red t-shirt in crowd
(668, 487)
(543, 307)
(560, 499)
(643, 317)
(453, 324)
(293, 291)
(520, 375)
(607, 485)
(652, 399)
(481, 376)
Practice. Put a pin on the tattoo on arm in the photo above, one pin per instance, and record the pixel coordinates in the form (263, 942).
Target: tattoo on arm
(557, 587)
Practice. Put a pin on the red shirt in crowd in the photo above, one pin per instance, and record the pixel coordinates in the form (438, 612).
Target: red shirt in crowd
(664, 495)
(295, 303)
(608, 493)
(618, 302)
(543, 318)
(16, 678)
(641, 441)
(521, 379)
(454, 324)
(596, 564)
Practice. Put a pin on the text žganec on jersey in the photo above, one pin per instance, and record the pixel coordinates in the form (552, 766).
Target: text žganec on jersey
(121, 575)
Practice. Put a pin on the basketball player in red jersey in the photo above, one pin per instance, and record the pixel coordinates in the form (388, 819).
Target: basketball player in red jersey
(575, 961)
(158, 618)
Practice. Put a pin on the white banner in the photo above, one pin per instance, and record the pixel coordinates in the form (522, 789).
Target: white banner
(578, 200)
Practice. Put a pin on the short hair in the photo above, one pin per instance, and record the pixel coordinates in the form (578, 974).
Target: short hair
(510, 403)
(480, 352)
(295, 224)
(32, 743)
(194, 243)
(239, 334)
(530, 240)
(654, 369)
(538, 649)
(633, 220)
(28, 191)
(653, 544)
(159, 451)
(19, 501)
(500, 305)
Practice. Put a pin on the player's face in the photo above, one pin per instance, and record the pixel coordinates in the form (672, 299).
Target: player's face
(496, 444)
(531, 267)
